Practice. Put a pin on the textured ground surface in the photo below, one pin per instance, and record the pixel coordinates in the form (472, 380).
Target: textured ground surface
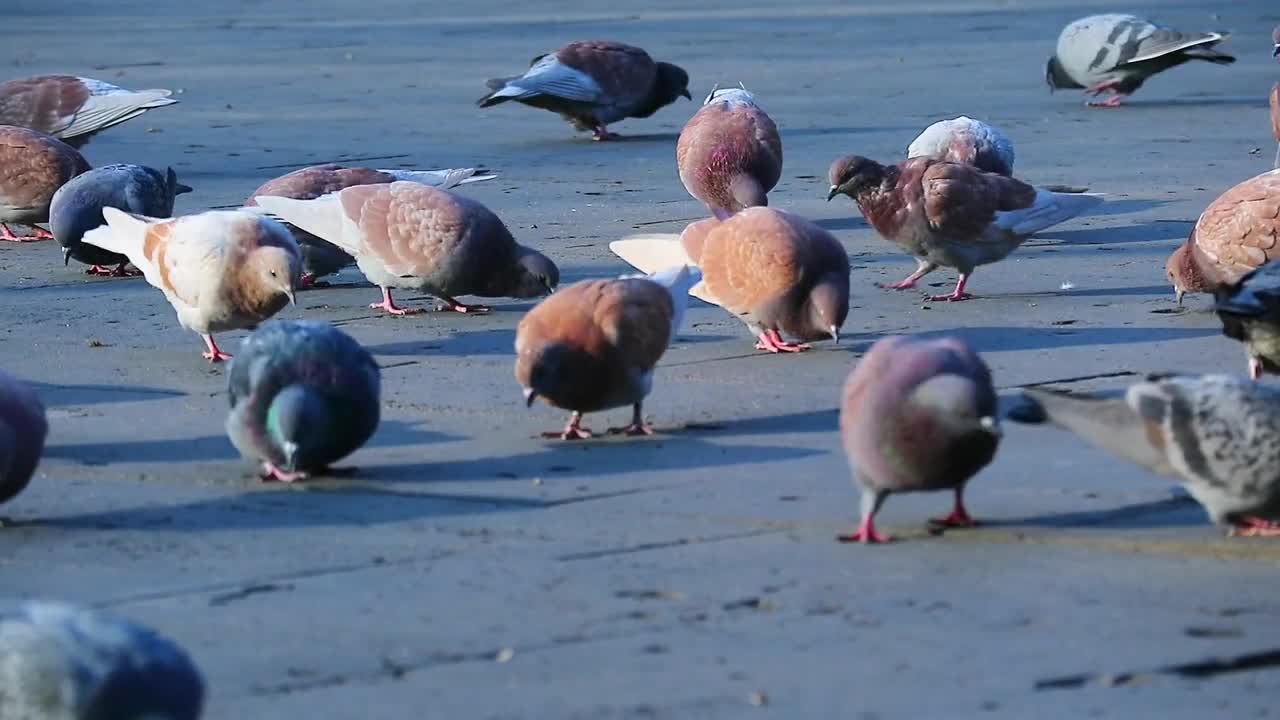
(473, 570)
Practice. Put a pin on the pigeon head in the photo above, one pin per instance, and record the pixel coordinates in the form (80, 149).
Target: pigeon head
(1184, 272)
(536, 275)
(171, 182)
(1056, 77)
(957, 403)
(275, 272)
(827, 307)
(853, 175)
(555, 370)
(672, 83)
(301, 425)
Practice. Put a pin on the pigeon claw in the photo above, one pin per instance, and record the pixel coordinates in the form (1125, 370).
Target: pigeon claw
(7, 234)
(454, 305)
(1255, 527)
(272, 473)
(957, 519)
(950, 297)
(632, 429)
(770, 340)
(569, 433)
(865, 534)
(601, 133)
(904, 284)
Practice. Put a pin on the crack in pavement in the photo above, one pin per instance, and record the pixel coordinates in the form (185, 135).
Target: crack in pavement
(1197, 670)
(663, 545)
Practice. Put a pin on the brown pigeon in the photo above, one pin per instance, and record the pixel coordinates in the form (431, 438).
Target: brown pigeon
(917, 415)
(73, 109)
(320, 257)
(1235, 234)
(408, 235)
(34, 166)
(1250, 313)
(729, 154)
(775, 271)
(950, 214)
(593, 345)
(592, 83)
(221, 270)
(1218, 434)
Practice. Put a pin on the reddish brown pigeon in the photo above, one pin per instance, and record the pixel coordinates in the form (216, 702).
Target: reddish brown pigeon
(1235, 234)
(593, 83)
(950, 214)
(73, 109)
(729, 153)
(917, 415)
(408, 235)
(33, 166)
(593, 345)
(965, 140)
(775, 271)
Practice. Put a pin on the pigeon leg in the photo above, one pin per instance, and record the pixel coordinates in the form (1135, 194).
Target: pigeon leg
(955, 295)
(1100, 87)
(959, 517)
(390, 305)
(213, 354)
(923, 267)
(7, 234)
(572, 431)
(121, 271)
(866, 532)
(637, 426)
(271, 472)
(770, 340)
(600, 132)
(454, 305)
(40, 233)
(1250, 526)
(1255, 368)
(97, 270)
(1113, 101)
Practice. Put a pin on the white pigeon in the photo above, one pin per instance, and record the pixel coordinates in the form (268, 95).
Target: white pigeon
(221, 270)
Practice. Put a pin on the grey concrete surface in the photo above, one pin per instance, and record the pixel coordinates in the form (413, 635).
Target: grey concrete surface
(473, 570)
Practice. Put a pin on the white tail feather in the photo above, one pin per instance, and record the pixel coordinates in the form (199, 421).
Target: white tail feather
(321, 217)
(123, 234)
(655, 253)
(679, 280)
(443, 179)
(1049, 209)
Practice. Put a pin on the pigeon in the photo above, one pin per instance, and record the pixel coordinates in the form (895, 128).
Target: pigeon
(1117, 53)
(593, 345)
(1275, 42)
(1235, 234)
(408, 235)
(1274, 101)
(220, 269)
(60, 662)
(775, 271)
(729, 154)
(35, 166)
(950, 214)
(1250, 312)
(917, 414)
(77, 208)
(303, 395)
(22, 432)
(73, 109)
(1218, 434)
(593, 83)
(320, 257)
(965, 140)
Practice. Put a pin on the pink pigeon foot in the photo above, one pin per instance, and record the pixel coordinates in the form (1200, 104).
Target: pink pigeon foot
(959, 517)
(1113, 101)
(770, 340)
(955, 295)
(454, 305)
(306, 281)
(602, 133)
(637, 426)
(1255, 369)
(1255, 527)
(118, 271)
(213, 354)
(7, 234)
(865, 534)
(903, 284)
(390, 306)
(271, 472)
(572, 431)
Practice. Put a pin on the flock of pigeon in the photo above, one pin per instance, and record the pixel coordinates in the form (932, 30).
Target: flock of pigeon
(916, 414)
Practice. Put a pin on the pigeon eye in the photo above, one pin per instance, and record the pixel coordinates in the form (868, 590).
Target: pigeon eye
(273, 273)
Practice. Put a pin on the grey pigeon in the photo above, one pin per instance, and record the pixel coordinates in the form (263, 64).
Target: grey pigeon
(1250, 313)
(321, 257)
(77, 208)
(22, 432)
(1117, 53)
(73, 109)
(1218, 434)
(593, 83)
(59, 662)
(303, 395)
(965, 140)
(916, 415)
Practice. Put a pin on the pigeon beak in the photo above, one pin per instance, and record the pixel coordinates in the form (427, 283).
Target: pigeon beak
(290, 455)
(835, 333)
(292, 300)
(685, 94)
(529, 396)
(990, 424)
(66, 257)
(1178, 293)
(835, 190)
(181, 189)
